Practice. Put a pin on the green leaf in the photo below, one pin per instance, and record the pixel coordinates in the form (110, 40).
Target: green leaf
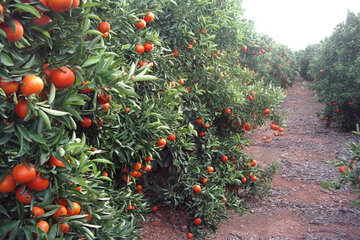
(27, 8)
(43, 32)
(24, 132)
(6, 60)
(45, 118)
(52, 93)
(54, 112)
(145, 78)
(91, 61)
(37, 137)
(101, 160)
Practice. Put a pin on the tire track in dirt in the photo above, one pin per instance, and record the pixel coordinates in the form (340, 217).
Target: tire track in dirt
(299, 208)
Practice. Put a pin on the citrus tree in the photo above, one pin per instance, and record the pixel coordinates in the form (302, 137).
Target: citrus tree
(109, 109)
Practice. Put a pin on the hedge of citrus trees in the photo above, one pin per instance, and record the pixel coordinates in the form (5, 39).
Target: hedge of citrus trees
(112, 109)
(333, 65)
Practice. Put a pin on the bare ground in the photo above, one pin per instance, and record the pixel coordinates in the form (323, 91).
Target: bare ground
(299, 207)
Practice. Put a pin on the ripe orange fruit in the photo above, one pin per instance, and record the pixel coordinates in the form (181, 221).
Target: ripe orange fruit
(56, 162)
(45, 19)
(280, 129)
(228, 111)
(172, 137)
(342, 169)
(155, 208)
(11, 35)
(25, 198)
(140, 48)
(38, 183)
(141, 24)
(7, 184)
(45, 3)
(137, 166)
(43, 225)
(204, 180)
(263, 138)
(197, 221)
(37, 211)
(2, 12)
(273, 126)
(31, 84)
(60, 5)
(254, 178)
(62, 78)
(149, 17)
(105, 106)
(147, 168)
(269, 140)
(175, 53)
(21, 108)
(197, 188)
(76, 3)
(210, 169)
(9, 87)
(199, 121)
(60, 212)
(253, 163)
(105, 35)
(243, 179)
(64, 227)
(105, 174)
(266, 111)
(244, 48)
(148, 158)
(22, 173)
(139, 187)
(104, 27)
(224, 158)
(247, 126)
(76, 207)
(202, 134)
(86, 123)
(250, 97)
(148, 47)
(206, 125)
(161, 142)
(190, 235)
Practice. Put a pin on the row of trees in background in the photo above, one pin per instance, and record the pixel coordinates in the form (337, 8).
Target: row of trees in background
(111, 109)
(334, 67)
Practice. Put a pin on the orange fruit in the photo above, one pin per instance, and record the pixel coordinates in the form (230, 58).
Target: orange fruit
(263, 138)
(204, 180)
(86, 123)
(60, 212)
(25, 198)
(197, 221)
(45, 19)
(104, 27)
(147, 168)
(148, 47)
(7, 184)
(11, 35)
(253, 163)
(202, 134)
(141, 24)
(137, 166)
(9, 87)
(224, 158)
(172, 137)
(161, 142)
(76, 3)
(140, 48)
(227, 111)
(254, 178)
(62, 78)
(266, 111)
(199, 121)
(37, 211)
(155, 208)
(45, 3)
(105, 35)
(2, 12)
(60, 5)
(175, 53)
(56, 162)
(139, 187)
(342, 169)
(269, 140)
(64, 227)
(105, 174)
(21, 108)
(105, 106)
(197, 188)
(22, 173)
(190, 235)
(76, 207)
(149, 17)
(31, 84)
(38, 183)
(43, 225)
(243, 179)
(148, 158)
(210, 169)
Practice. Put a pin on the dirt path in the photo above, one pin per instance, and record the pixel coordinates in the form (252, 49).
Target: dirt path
(299, 208)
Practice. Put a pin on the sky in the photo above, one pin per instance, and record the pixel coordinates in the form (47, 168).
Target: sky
(298, 23)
